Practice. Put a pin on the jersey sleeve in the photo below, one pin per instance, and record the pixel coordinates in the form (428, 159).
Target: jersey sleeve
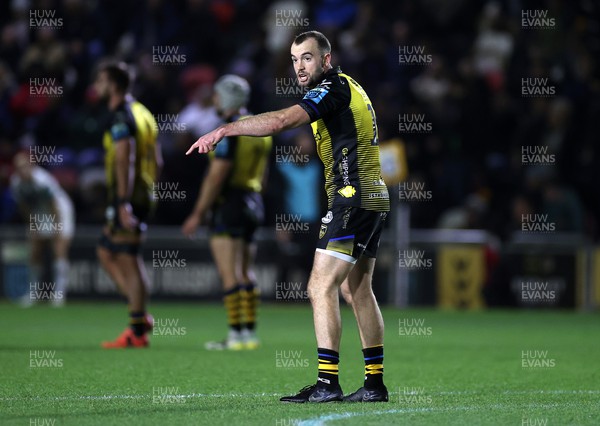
(329, 97)
(226, 148)
(120, 127)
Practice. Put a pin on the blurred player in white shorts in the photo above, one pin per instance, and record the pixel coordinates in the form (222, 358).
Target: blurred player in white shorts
(51, 220)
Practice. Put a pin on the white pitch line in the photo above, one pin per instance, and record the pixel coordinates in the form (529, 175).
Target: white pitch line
(257, 395)
(323, 420)
(506, 392)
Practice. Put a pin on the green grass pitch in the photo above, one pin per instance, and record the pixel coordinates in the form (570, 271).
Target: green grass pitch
(441, 368)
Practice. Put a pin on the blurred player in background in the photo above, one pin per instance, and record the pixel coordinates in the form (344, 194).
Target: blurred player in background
(345, 130)
(132, 161)
(51, 220)
(231, 192)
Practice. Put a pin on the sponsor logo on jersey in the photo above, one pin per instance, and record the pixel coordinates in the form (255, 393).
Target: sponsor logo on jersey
(328, 217)
(347, 191)
(322, 231)
(316, 94)
(346, 217)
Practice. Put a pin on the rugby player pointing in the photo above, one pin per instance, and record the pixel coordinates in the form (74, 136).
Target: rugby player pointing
(345, 130)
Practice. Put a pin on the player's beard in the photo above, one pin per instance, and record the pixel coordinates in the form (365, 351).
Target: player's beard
(314, 81)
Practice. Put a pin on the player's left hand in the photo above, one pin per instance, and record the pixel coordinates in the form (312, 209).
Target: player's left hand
(190, 226)
(208, 142)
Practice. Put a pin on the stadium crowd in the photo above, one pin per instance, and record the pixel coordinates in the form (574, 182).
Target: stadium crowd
(468, 84)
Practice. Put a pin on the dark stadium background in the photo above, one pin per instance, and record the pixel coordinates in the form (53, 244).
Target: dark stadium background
(470, 93)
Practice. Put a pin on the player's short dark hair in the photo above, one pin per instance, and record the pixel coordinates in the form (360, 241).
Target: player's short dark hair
(118, 73)
(322, 42)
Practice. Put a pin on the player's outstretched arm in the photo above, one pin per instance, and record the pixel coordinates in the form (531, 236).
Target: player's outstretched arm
(265, 124)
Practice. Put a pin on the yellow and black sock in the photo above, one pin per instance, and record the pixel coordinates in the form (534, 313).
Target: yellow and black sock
(328, 367)
(250, 298)
(373, 367)
(233, 300)
(137, 322)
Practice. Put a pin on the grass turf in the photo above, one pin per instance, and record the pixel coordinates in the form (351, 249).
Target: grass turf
(466, 369)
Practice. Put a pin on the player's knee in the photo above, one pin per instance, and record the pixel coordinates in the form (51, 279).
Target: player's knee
(347, 295)
(362, 296)
(318, 289)
(315, 291)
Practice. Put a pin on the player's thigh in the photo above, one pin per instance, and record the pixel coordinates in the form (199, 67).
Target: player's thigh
(103, 250)
(107, 251)
(129, 266)
(108, 262)
(126, 252)
(328, 271)
(104, 255)
(227, 253)
(361, 276)
(37, 244)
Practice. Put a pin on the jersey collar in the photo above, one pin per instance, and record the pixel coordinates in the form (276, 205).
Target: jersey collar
(332, 71)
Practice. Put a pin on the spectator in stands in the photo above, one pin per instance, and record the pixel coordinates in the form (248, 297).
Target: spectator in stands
(563, 207)
(471, 92)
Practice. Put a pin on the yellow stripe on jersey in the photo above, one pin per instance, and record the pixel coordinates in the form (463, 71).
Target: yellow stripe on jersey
(147, 133)
(321, 133)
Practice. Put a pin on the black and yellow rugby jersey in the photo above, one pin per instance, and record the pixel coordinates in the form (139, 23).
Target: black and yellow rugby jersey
(345, 130)
(132, 119)
(250, 156)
